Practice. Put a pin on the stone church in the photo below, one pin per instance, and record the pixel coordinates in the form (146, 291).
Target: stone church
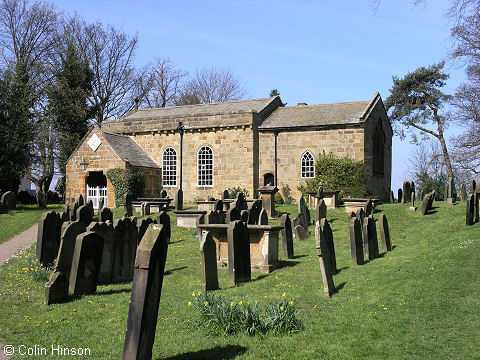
(245, 144)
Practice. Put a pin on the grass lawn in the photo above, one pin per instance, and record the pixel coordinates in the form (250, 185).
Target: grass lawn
(21, 219)
(420, 301)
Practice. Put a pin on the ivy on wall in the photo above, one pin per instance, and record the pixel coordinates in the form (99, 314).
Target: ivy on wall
(124, 181)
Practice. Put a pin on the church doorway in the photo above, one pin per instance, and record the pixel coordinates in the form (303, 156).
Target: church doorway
(268, 179)
(97, 188)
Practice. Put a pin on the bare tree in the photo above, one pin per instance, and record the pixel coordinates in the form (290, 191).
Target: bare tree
(211, 85)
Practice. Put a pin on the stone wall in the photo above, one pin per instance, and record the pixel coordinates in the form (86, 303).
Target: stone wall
(153, 181)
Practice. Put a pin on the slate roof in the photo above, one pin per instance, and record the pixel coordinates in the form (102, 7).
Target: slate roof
(129, 150)
(317, 115)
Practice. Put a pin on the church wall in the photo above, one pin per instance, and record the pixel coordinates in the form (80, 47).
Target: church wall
(292, 144)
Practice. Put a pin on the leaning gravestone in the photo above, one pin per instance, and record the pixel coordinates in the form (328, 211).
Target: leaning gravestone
(146, 291)
(208, 263)
(370, 242)
(9, 200)
(326, 231)
(303, 209)
(263, 217)
(126, 234)
(239, 267)
(384, 233)
(87, 259)
(48, 237)
(323, 258)
(105, 214)
(287, 236)
(56, 289)
(356, 245)
(320, 211)
(107, 232)
(470, 210)
(179, 200)
(425, 204)
(84, 214)
(232, 215)
(127, 204)
(164, 219)
(142, 227)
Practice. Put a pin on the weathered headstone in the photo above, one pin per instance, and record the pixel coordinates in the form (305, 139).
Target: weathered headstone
(463, 192)
(164, 219)
(48, 237)
(476, 209)
(400, 195)
(323, 254)
(87, 260)
(146, 290)
(126, 234)
(225, 195)
(105, 214)
(107, 232)
(384, 233)
(218, 205)
(9, 200)
(320, 211)
(179, 200)
(80, 200)
(369, 208)
(473, 187)
(240, 203)
(254, 212)
(452, 194)
(73, 211)
(470, 210)
(319, 193)
(287, 236)
(56, 289)
(163, 194)
(406, 192)
(101, 204)
(370, 242)
(244, 216)
(232, 215)
(328, 234)
(127, 204)
(351, 216)
(84, 214)
(360, 215)
(90, 206)
(263, 217)
(208, 262)
(356, 244)
(300, 227)
(392, 198)
(412, 198)
(303, 209)
(142, 227)
(238, 252)
(215, 217)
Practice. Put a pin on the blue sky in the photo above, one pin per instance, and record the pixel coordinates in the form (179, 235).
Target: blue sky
(312, 51)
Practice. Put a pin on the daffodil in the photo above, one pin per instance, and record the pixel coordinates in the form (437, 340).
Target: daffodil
(291, 303)
(284, 295)
(189, 303)
(240, 303)
(205, 303)
(281, 308)
(232, 304)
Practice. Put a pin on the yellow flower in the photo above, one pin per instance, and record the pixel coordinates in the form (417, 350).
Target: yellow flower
(284, 294)
(232, 303)
(199, 293)
(291, 303)
(205, 303)
(315, 306)
(90, 301)
(189, 303)
(281, 308)
(193, 294)
(240, 303)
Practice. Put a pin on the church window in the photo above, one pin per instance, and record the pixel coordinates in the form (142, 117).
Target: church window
(205, 166)
(307, 165)
(378, 149)
(169, 167)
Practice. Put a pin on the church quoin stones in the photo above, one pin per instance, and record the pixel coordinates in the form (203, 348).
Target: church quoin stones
(231, 144)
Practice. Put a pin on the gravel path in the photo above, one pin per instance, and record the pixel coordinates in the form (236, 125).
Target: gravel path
(15, 245)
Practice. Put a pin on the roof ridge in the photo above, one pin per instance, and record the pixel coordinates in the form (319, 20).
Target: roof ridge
(339, 103)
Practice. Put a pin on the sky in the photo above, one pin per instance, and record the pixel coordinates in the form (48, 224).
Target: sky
(311, 51)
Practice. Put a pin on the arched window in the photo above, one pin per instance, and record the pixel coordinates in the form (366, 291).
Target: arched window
(307, 165)
(169, 167)
(378, 149)
(205, 166)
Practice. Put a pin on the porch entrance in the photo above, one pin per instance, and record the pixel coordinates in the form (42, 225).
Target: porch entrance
(97, 188)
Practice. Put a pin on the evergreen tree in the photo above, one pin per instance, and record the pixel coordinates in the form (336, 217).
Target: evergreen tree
(68, 103)
(274, 92)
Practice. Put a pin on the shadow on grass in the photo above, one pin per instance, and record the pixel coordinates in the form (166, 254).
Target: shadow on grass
(168, 272)
(287, 263)
(343, 268)
(340, 286)
(174, 242)
(218, 352)
(299, 256)
(112, 291)
(259, 277)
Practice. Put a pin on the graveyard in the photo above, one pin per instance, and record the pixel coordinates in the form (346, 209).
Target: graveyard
(419, 300)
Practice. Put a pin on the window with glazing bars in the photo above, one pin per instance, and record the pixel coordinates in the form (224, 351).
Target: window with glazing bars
(169, 167)
(205, 166)
(307, 165)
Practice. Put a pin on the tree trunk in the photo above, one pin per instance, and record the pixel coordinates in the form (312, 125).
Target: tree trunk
(446, 156)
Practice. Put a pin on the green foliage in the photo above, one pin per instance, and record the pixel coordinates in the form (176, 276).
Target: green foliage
(125, 181)
(68, 103)
(274, 92)
(427, 183)
(279, 198)
(16, 133)
(336, 173)
(287, 194)
(229, 317)
(36, 269)
(233, 192)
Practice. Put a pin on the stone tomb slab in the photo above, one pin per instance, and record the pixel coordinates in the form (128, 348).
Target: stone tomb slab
(188, 218)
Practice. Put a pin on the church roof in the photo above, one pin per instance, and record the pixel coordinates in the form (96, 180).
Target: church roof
(318, 115)
(128, 150)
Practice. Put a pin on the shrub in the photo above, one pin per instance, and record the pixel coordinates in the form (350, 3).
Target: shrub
(125, 181)
(233, 192)
(279, 198)
(336, 173)
(287, 194)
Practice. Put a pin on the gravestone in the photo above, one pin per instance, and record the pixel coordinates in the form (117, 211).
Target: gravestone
(323, 258)
(215, 217)
(319, 193)
(422, 195)
(451, 195)
(73, 211)
(287, 236)
(84, 214)
(240, 203)
(48, 237)
(127, 204)
(107, 233)
(369, 208)
(263, 217)
(142, 228)
(412, 188)
(356, 245)
(9, 200)
(254, 212)
(370, 242)
(208, 263)
(412, 197)
(105, 214)
(232, 215)
(300, 227)
(463, 192)
(163, 194)
(87, 260)
(80, 200)
(426, 203)
(146, 290)
(101, 204)
(244, 216)
(351, 216)
(218, 205)
(320, 211)
(328, 234)
(66, 210)
(145, 208)
(303, 208)
(360, 215)
(238, 253)
(384, 233)
(164, 219)
(179, 200)
(406, 192)
(392, 198)
(90, 206)
(400, 195)
(126, 234)
(470, 210)
(476, 207)
(473, 187)
(56, 289)
(225, 195)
